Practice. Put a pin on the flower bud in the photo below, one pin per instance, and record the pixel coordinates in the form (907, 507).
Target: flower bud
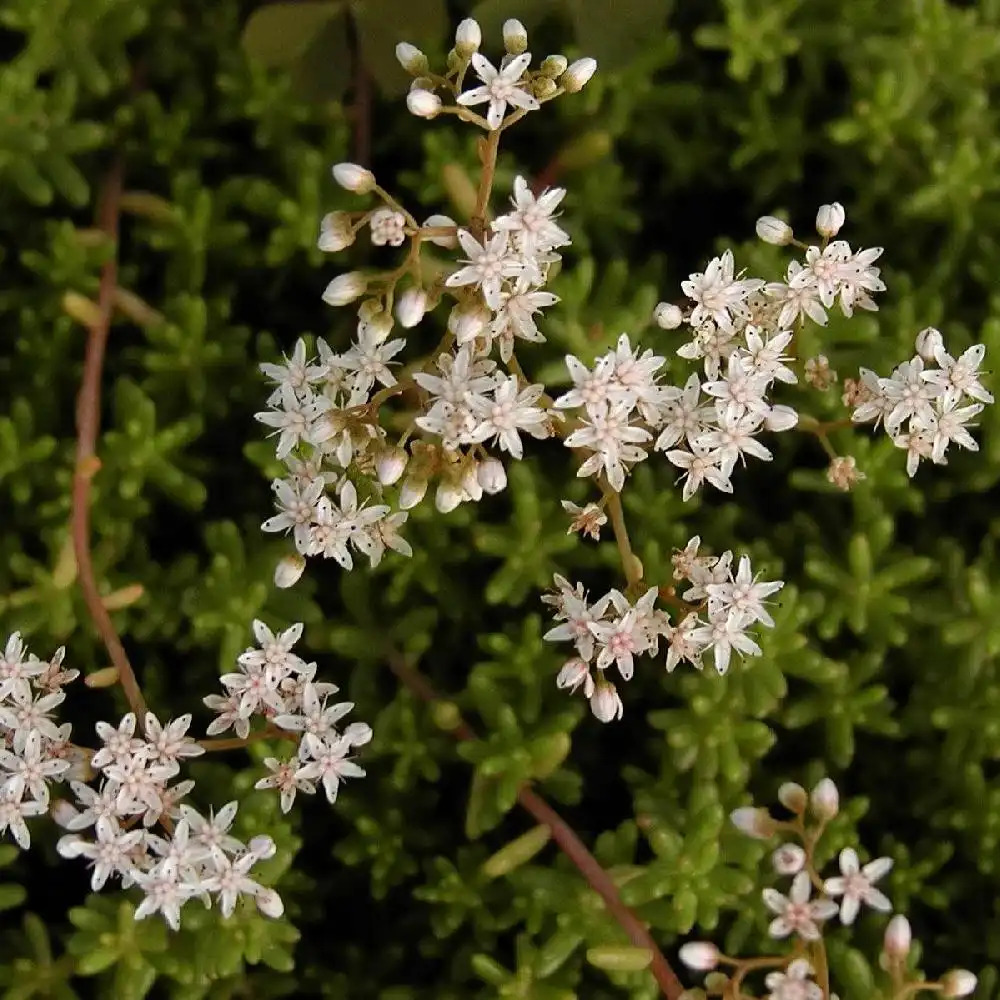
(357, 734)
(668, 316)
(352, 177)
(390, 465)
(793, 797)
(700, 955)
(379, 326)
(825, 799)
(289, 570)
(345, 288)
(335, 232)
(70, 846)
(543, 88)
(928, 343)
(515, 36)
(578, 75)
(754, 822)
(468, 37)
(262, 846)
(423, 103)
(774, 230)
(447, 497)
(411, 307)
(898, 937)
(449, 241)
(63, 812)
(412, 492)
(269, 903)
(470, 482)
(605, 702)
(467, 320)
(492, 475)
(411, 58)
(829, 219)
(573, 673)
(781, 418)
(788, 859)
(958, 983)
(553, 66)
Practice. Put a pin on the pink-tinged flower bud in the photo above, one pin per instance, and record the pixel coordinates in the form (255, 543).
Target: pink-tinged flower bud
(449, 241)
(353, 177)
(605, 702)
(700, 955)
(958, 983)
(928, 343)
(345, 288)
(788, 859)
(470, 483)
(574, 673)
(898, 937)
(411, 307)
(390, 465)
(467, 321)
(754, 822)
(468, 37)
(411, 58)
(412, 491)
(825, 799)
(379, 326)
(578, 75)
(553, 66)
(492, 475)
(70, 846)
(262, 846)
(423, 103)
(774, 230)
(63, 812)
(668, 316)
(269, 903)
(793, 796)
(781, 418)
(447, 497)
(515, 36)
(357, 734)
(289, 570)
(335, 232)
(829, 219)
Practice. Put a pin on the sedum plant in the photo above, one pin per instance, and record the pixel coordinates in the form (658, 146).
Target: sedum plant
(429, 403)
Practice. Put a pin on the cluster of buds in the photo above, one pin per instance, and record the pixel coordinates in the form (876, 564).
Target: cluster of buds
(803, 973)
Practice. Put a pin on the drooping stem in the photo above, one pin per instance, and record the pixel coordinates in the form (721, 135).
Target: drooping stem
(569, 843)
(88, 409)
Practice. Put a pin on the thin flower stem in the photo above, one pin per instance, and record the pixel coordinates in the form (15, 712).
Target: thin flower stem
(567, 839)
(630, 562)
(88, 414)
(489, 158)
(236, 742)
(822, 968)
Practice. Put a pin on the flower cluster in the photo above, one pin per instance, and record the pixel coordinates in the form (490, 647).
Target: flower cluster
(613, 631)
(275, 684)
(922, 407)
(804, 974)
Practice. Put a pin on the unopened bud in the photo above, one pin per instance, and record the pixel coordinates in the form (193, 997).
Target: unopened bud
(781, 418)
(353, 177)
(378, 327)
(335, 232)
(605, 702)
(423, 103)
(578, 75)
(468, 37)
(63, 812)
(829, 219)
(448, 241)
(928, 343)
(345, 288)
(390, 465)
(754, 822)
(412, 491)
(825, 799)
(958, 983)
(447, 497)
(411, 307)
(668, 316)
(492, 475)
(543, 88)
(515, 36)
(269, 903)
(773, 230)
(793, 797)
(898, 937)
(700, 955)
(262, 846)
(411, 58)
(467, 321)
(289, 570)
(553, 66)
(470, 482)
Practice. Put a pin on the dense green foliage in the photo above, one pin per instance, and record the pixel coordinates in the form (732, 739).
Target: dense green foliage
(883, 670)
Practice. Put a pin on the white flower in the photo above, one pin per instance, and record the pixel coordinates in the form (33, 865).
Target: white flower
(29, 771)
(742, 593)
(789, 859)
(509, 411)
(613, 440)
(587, 520)
(531, 223)
(169, 743)
(856, 885)
(909, 394)
(369, 356)
(388, 227)
(294, 420)
(328, 762)
(591, 389)
(500, 88)
(794, 983)
(723, 634)
(719, 295)
(700, 465)
(796, 914)
(287, 776)
(959, 377)
(487, 265)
